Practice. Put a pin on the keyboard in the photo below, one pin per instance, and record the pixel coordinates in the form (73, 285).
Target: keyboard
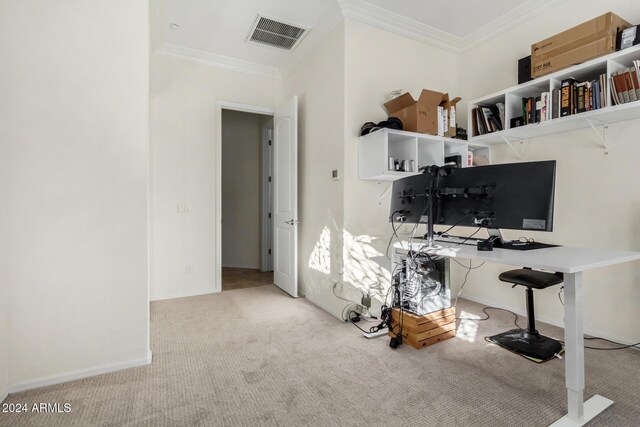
(471, 241)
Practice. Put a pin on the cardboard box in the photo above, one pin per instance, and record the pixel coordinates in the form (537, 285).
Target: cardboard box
(607, 24)
(422, 115)
(451, 108)
(594, 49)
(581, 43)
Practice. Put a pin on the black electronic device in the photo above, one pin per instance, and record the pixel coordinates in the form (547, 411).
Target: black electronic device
(485, 244)
(517, 196)
(456, 158)
(628, 37)
(408, 201)
(524, 70)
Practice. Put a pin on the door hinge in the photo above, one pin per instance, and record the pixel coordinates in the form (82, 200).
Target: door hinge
(269, 251)
(269, 215)
(269, 179)
(269, 142)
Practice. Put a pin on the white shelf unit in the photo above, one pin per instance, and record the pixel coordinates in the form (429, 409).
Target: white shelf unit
(375, 149)
(595, 119)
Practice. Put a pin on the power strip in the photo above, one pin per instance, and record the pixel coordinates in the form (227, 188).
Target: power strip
(377, 334)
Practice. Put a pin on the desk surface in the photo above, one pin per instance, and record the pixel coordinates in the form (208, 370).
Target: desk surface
(564, 259)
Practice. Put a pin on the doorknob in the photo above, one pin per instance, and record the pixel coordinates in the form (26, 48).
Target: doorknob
(292, 222)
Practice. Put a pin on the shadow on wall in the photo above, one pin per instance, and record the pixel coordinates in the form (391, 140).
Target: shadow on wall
(323, 264)
(320, 259)
(362, 265)
(363, 268)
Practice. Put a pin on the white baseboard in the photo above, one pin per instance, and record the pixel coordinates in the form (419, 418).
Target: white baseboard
(331, 310)
(3, 395)
(243, 266)
(78, 375)
(520, 312)
(175, 295)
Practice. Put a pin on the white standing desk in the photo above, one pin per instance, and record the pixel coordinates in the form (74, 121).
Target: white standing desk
(572, 262)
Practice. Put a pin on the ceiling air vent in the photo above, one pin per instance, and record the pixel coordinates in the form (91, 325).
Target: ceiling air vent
(276, 34)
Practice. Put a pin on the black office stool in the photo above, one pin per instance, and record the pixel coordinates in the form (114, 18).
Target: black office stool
(528, 342)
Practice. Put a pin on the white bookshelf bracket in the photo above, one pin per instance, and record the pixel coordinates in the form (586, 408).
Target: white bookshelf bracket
(601, 134)
(386, 189)
(511, 143)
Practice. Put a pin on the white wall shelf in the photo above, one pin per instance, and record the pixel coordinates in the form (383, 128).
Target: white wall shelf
(375, 149)
(598, 120)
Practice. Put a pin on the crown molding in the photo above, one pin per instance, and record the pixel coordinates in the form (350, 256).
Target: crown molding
(313, 39)
(220, 61)
(508, 21)
(375, 16)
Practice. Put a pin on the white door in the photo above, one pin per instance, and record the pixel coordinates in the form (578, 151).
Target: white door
(285, 197)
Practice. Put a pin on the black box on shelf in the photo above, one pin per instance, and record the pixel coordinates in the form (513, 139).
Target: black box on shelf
(517, 122)
(524, 69)
(455, 158)
(628, 37)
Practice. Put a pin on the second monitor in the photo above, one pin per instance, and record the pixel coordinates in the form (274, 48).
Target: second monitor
(517, 196)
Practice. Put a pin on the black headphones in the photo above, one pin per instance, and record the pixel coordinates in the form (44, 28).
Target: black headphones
(391, 123)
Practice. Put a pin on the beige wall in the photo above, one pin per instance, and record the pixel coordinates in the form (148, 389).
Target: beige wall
(4, 255)
(597, 201)
(74, 135)
(4, 334)
(319, 84)
(370, 78)
(184, 94)
(241, 188)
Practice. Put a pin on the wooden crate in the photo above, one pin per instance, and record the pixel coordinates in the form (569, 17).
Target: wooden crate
(423, 331)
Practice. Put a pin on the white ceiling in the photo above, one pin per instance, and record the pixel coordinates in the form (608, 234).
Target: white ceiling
(221, 26)
(216, 30)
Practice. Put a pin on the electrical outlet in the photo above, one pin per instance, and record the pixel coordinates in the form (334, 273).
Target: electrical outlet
(184, 208)
(366, 300)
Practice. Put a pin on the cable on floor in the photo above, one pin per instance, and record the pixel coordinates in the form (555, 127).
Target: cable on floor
(488, 316)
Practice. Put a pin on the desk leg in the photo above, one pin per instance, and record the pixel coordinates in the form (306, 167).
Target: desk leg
(579, 412)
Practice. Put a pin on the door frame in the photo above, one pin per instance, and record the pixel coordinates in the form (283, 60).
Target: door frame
(266, 260)
(217, 216)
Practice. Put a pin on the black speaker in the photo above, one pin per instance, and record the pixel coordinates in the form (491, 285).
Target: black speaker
(524, 70)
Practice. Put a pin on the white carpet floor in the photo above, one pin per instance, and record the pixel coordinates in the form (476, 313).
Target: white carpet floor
(256, 357)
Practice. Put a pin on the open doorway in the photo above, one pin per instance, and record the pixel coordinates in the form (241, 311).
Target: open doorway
(247, 199)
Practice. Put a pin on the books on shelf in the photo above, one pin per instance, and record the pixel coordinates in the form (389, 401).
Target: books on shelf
(487, 118)
(572, 97)
(544, 106)
(501, 112)
(566, 97)
(597, 88)
(555, 103)
(625, 86)
(578, 97)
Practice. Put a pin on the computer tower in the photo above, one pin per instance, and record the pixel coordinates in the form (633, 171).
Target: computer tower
(423, 284)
